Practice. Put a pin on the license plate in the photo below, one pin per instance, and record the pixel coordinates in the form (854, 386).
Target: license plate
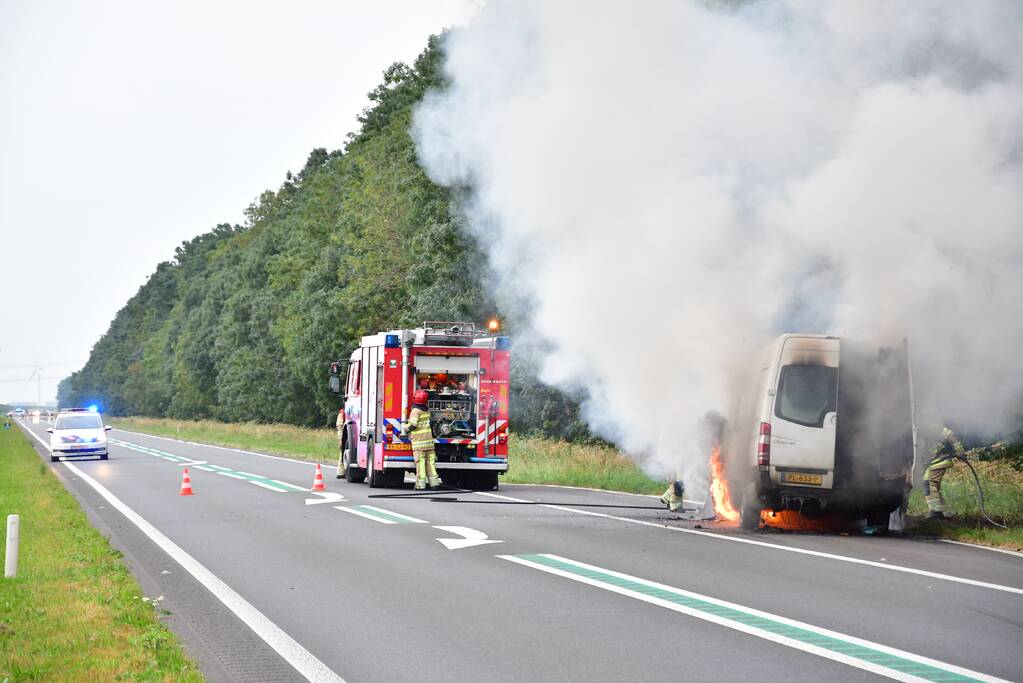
(800, 478)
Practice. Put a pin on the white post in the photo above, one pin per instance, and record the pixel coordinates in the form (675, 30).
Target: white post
(11, 559)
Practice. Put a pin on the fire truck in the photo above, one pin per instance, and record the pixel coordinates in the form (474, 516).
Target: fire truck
(464, 370)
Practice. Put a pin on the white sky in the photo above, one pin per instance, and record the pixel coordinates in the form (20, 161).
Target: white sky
(128, 127)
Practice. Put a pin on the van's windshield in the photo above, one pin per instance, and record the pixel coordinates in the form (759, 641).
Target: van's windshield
(806, 393)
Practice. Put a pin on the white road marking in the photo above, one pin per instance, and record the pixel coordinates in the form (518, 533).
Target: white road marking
(470, 537)
(773, 546)
(232, 475)
(193, 463)
(328, 497)
(287, 647)
(360, 513)
(697, 532)
(766, 625)
(1005, 551)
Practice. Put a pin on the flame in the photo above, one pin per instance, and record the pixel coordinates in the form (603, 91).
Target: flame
(719, 488)
(792, 520)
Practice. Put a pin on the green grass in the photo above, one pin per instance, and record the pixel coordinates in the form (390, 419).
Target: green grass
(74, 612)
(542, 461)
(1003, 500)
(530, 460)
(316, 445)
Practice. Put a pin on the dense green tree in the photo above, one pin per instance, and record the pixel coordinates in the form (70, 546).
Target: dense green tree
(243, 322)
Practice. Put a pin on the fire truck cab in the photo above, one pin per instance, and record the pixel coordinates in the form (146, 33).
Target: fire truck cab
(464, 371)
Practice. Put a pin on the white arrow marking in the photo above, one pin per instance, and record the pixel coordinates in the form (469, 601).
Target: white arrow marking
(328, 497)
(470, 537)
(193, 463)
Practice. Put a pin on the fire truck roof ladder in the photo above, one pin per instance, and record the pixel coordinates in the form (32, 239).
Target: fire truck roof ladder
(449, 333)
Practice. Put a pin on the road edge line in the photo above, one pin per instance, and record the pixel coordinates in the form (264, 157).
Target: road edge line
(287, 647)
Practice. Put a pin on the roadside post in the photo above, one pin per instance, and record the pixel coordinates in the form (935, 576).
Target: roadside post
(11, 558)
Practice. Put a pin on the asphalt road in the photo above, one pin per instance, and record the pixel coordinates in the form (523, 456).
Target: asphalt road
(266, 581)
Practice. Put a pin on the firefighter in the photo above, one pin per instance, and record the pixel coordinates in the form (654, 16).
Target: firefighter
(948, 448)
(672, 498)
(419, 430)
(340, 423)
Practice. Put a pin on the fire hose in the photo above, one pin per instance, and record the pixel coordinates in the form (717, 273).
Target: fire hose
(980, 491)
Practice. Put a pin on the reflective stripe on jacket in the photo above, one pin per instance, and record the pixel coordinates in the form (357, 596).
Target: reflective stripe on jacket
(419, 429)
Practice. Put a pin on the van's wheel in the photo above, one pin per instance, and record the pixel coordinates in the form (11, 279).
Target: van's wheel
(749, 510)
(54, 458)
(878, 518)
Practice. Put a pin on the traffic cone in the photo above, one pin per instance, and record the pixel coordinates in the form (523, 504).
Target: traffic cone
(318, 480)
(186, 484)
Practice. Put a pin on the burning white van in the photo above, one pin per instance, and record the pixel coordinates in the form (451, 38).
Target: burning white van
(822, 423)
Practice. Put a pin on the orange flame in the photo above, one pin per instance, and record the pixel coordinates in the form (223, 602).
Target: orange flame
(792, 520)
(719, 488)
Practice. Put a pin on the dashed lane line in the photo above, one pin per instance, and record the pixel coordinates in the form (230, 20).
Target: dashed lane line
(307, 664)
(862, 654)
(773, 546)
(696, 532)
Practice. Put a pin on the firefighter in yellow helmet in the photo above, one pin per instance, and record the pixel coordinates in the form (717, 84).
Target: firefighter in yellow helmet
(421, 433)
(948, 447)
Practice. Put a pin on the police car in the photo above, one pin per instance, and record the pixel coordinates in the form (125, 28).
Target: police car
(78, 433)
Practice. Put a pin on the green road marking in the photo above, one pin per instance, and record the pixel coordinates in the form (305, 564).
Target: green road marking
(264, 482)
(389, 516)
(847, 649)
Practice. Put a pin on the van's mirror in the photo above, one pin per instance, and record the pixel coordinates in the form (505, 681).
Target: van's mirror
(830, 420)
(49, 430)
(335, 384)
(107, 428)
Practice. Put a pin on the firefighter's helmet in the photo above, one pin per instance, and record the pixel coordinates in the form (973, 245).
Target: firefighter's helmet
(419, 398)
(441, 377)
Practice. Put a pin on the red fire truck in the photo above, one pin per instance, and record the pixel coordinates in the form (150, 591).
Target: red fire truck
(463, 369)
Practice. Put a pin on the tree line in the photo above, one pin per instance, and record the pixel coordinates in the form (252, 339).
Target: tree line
(242, 323)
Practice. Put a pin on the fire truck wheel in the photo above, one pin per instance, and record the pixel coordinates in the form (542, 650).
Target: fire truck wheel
(373, 478)
(486, 481)
(351, 473)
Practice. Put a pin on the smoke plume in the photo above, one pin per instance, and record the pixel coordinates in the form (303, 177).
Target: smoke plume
(664, 186)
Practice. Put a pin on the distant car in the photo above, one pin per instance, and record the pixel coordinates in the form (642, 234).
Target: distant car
(10, 413)
(19, 412)
(77, 434)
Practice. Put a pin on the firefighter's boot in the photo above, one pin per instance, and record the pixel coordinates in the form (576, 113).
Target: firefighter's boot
(672, 498)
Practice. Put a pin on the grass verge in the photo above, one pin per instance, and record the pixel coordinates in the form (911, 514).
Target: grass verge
(74, 612)
(1003, 500)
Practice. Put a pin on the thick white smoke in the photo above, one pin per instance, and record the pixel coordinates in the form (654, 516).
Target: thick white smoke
(670, 184)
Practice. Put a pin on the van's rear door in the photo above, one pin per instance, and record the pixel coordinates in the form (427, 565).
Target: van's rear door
(804, 413)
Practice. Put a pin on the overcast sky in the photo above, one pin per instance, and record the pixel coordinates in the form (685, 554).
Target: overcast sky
(127, 127)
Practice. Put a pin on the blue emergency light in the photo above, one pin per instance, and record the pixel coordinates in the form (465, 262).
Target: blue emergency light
(503, 343)
(391, 341)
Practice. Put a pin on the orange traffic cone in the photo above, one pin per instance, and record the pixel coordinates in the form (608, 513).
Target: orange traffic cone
(318, 480)
(186, 484)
